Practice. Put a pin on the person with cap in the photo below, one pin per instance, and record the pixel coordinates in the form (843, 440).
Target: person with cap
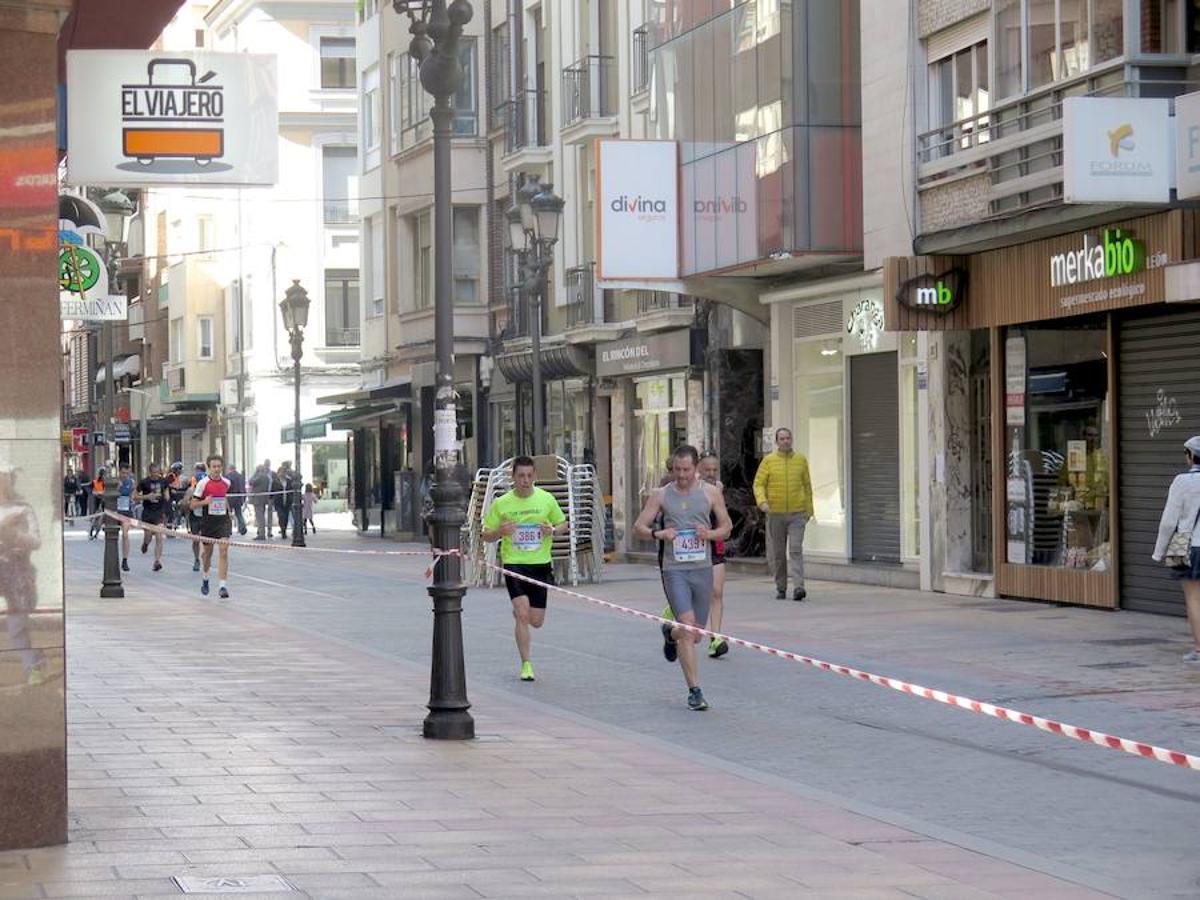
(19, 537)
(1182, 515)
(783, 490)
(176, 495)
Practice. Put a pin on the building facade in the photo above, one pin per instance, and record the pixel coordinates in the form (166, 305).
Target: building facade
(1057, 396)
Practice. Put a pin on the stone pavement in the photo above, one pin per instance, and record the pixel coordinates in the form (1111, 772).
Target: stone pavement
(208, 742)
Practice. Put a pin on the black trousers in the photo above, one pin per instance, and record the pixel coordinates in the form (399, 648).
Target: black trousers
(282, 511)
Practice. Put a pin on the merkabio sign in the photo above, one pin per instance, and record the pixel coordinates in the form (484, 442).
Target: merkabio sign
(940, 294)
(1118, 253)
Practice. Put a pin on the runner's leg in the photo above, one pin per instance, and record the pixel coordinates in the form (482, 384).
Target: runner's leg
(523, 617)
(222, 563)
(686, 641)
(717, 610)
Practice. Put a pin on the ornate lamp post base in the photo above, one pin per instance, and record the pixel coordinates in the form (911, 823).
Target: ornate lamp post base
(111, 586)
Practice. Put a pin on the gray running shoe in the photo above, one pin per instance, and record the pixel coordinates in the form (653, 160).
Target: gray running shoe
(670, 650)
(696, 701)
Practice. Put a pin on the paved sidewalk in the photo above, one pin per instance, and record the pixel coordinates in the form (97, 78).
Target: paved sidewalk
(208, 742)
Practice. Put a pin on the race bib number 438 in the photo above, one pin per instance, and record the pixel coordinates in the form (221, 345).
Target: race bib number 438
(528, 537)
(689, 547)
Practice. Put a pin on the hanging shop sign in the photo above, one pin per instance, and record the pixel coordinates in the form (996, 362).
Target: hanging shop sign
(143, 118)
(1187, 146)
(941, 294)
(110, 308)
(1116, 149)
(637, 209)
(645, 353)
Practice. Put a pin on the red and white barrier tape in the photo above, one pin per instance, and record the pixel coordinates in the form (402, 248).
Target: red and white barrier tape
(1099, 738)
(249, 545)
(1085, 735)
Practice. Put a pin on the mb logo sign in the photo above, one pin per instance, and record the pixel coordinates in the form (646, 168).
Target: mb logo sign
(941, 294)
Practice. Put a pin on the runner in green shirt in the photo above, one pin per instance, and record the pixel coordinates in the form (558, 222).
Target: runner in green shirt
(524, 521)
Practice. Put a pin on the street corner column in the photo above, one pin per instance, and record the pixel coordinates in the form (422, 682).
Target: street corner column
(33, 772)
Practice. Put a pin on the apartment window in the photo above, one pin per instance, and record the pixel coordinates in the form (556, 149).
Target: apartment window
(337, 62)
(199, 38)
(466, 255)
(414, 102)
(395, 99)
(176, 349)
(374, 244)
(500, 81)
(1163, 23)
(371, 109)
(339, 172)
(341, 308)
(1039, 42)
(958, 92)
(204, 231)
(422, 260)
(204, 330)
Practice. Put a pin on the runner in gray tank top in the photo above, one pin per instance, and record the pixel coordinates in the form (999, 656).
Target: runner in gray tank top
(685, 504)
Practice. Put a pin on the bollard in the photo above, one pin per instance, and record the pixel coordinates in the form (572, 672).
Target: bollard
(111, 586)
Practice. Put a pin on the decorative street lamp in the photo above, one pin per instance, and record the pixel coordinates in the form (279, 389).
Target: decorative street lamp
(533, 222)
(294, 307)
(436, 27)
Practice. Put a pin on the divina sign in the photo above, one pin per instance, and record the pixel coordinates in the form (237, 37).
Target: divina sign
(1117, 253)
(942, 293)
(627, 204)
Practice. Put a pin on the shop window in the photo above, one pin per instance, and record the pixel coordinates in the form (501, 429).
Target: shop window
(1057, 426)
(818, 426)
(659, 426)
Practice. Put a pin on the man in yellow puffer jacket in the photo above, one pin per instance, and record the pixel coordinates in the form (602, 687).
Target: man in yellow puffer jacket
(783, 490)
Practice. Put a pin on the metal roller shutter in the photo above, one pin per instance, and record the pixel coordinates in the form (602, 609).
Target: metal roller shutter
(875, 458)
(1159, 397)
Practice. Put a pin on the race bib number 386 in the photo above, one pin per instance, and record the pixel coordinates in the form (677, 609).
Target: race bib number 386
(527, 537)
(689, 547)
(217, 507)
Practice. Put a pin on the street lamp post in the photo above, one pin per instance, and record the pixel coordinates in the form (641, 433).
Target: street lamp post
(294, 307)
(533, 222)
(436, 27)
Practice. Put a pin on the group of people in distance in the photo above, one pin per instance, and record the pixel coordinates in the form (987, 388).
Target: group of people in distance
(688, 518)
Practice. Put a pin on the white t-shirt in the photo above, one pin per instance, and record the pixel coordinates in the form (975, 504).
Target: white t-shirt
(1181, 511)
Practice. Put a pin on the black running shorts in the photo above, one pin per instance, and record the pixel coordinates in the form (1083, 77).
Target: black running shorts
(518, 587)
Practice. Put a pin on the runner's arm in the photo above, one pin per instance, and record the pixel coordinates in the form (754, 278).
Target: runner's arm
(642, 527)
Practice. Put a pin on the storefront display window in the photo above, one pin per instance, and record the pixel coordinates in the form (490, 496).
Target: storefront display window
(1057, 427)
(567, 412)
(331, 470)
(819, 430)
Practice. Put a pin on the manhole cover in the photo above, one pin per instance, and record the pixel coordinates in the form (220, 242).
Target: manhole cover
(232, 884)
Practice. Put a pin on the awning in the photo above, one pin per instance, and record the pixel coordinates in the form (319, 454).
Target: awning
(400, 388)
(562, 361)
(128, 367)
(341, 420)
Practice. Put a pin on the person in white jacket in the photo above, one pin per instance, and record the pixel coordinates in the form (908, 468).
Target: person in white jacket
(1182, 513)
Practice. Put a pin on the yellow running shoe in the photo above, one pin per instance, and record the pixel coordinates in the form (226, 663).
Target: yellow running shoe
(527, 671)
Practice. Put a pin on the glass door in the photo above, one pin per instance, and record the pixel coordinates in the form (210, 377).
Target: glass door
(659, 425)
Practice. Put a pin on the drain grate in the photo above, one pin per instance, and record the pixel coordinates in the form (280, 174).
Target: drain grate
(232, 884)
(1130, 642)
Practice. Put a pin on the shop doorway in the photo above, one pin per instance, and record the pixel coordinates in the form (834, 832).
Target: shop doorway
(1159, 409)
(875, 458)
(981, 452)
(659, 424)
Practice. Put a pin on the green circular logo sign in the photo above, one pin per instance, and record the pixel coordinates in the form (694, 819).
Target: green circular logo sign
(78, 269)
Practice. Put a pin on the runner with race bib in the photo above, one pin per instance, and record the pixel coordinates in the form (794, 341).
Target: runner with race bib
(686, 504)
(525, 521)
(211, 500)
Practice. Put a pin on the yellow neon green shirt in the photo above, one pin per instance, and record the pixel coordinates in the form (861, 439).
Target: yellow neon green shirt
(538, 508)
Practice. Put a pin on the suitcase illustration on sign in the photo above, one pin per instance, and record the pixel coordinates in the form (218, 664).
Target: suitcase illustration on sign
(175, 106)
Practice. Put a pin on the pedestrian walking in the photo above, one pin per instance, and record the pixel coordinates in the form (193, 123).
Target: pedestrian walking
(283, 497)
(237, 496)
(525, 521)
(125, 490)
(710, 473)
(1178, 543)
(260, 485)
(783, 490)
(19, 537)
(82, 494)
(686, 505)
(152, 493)
(210, 501)
(308, 503)
(70, 490)
(97, 506)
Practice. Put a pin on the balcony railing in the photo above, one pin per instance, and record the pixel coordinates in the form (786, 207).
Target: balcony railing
(342, 337)
(641, 59)
(341, 212)
(661, 301)
(523, 120)
(588, 89)
(582, 306)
